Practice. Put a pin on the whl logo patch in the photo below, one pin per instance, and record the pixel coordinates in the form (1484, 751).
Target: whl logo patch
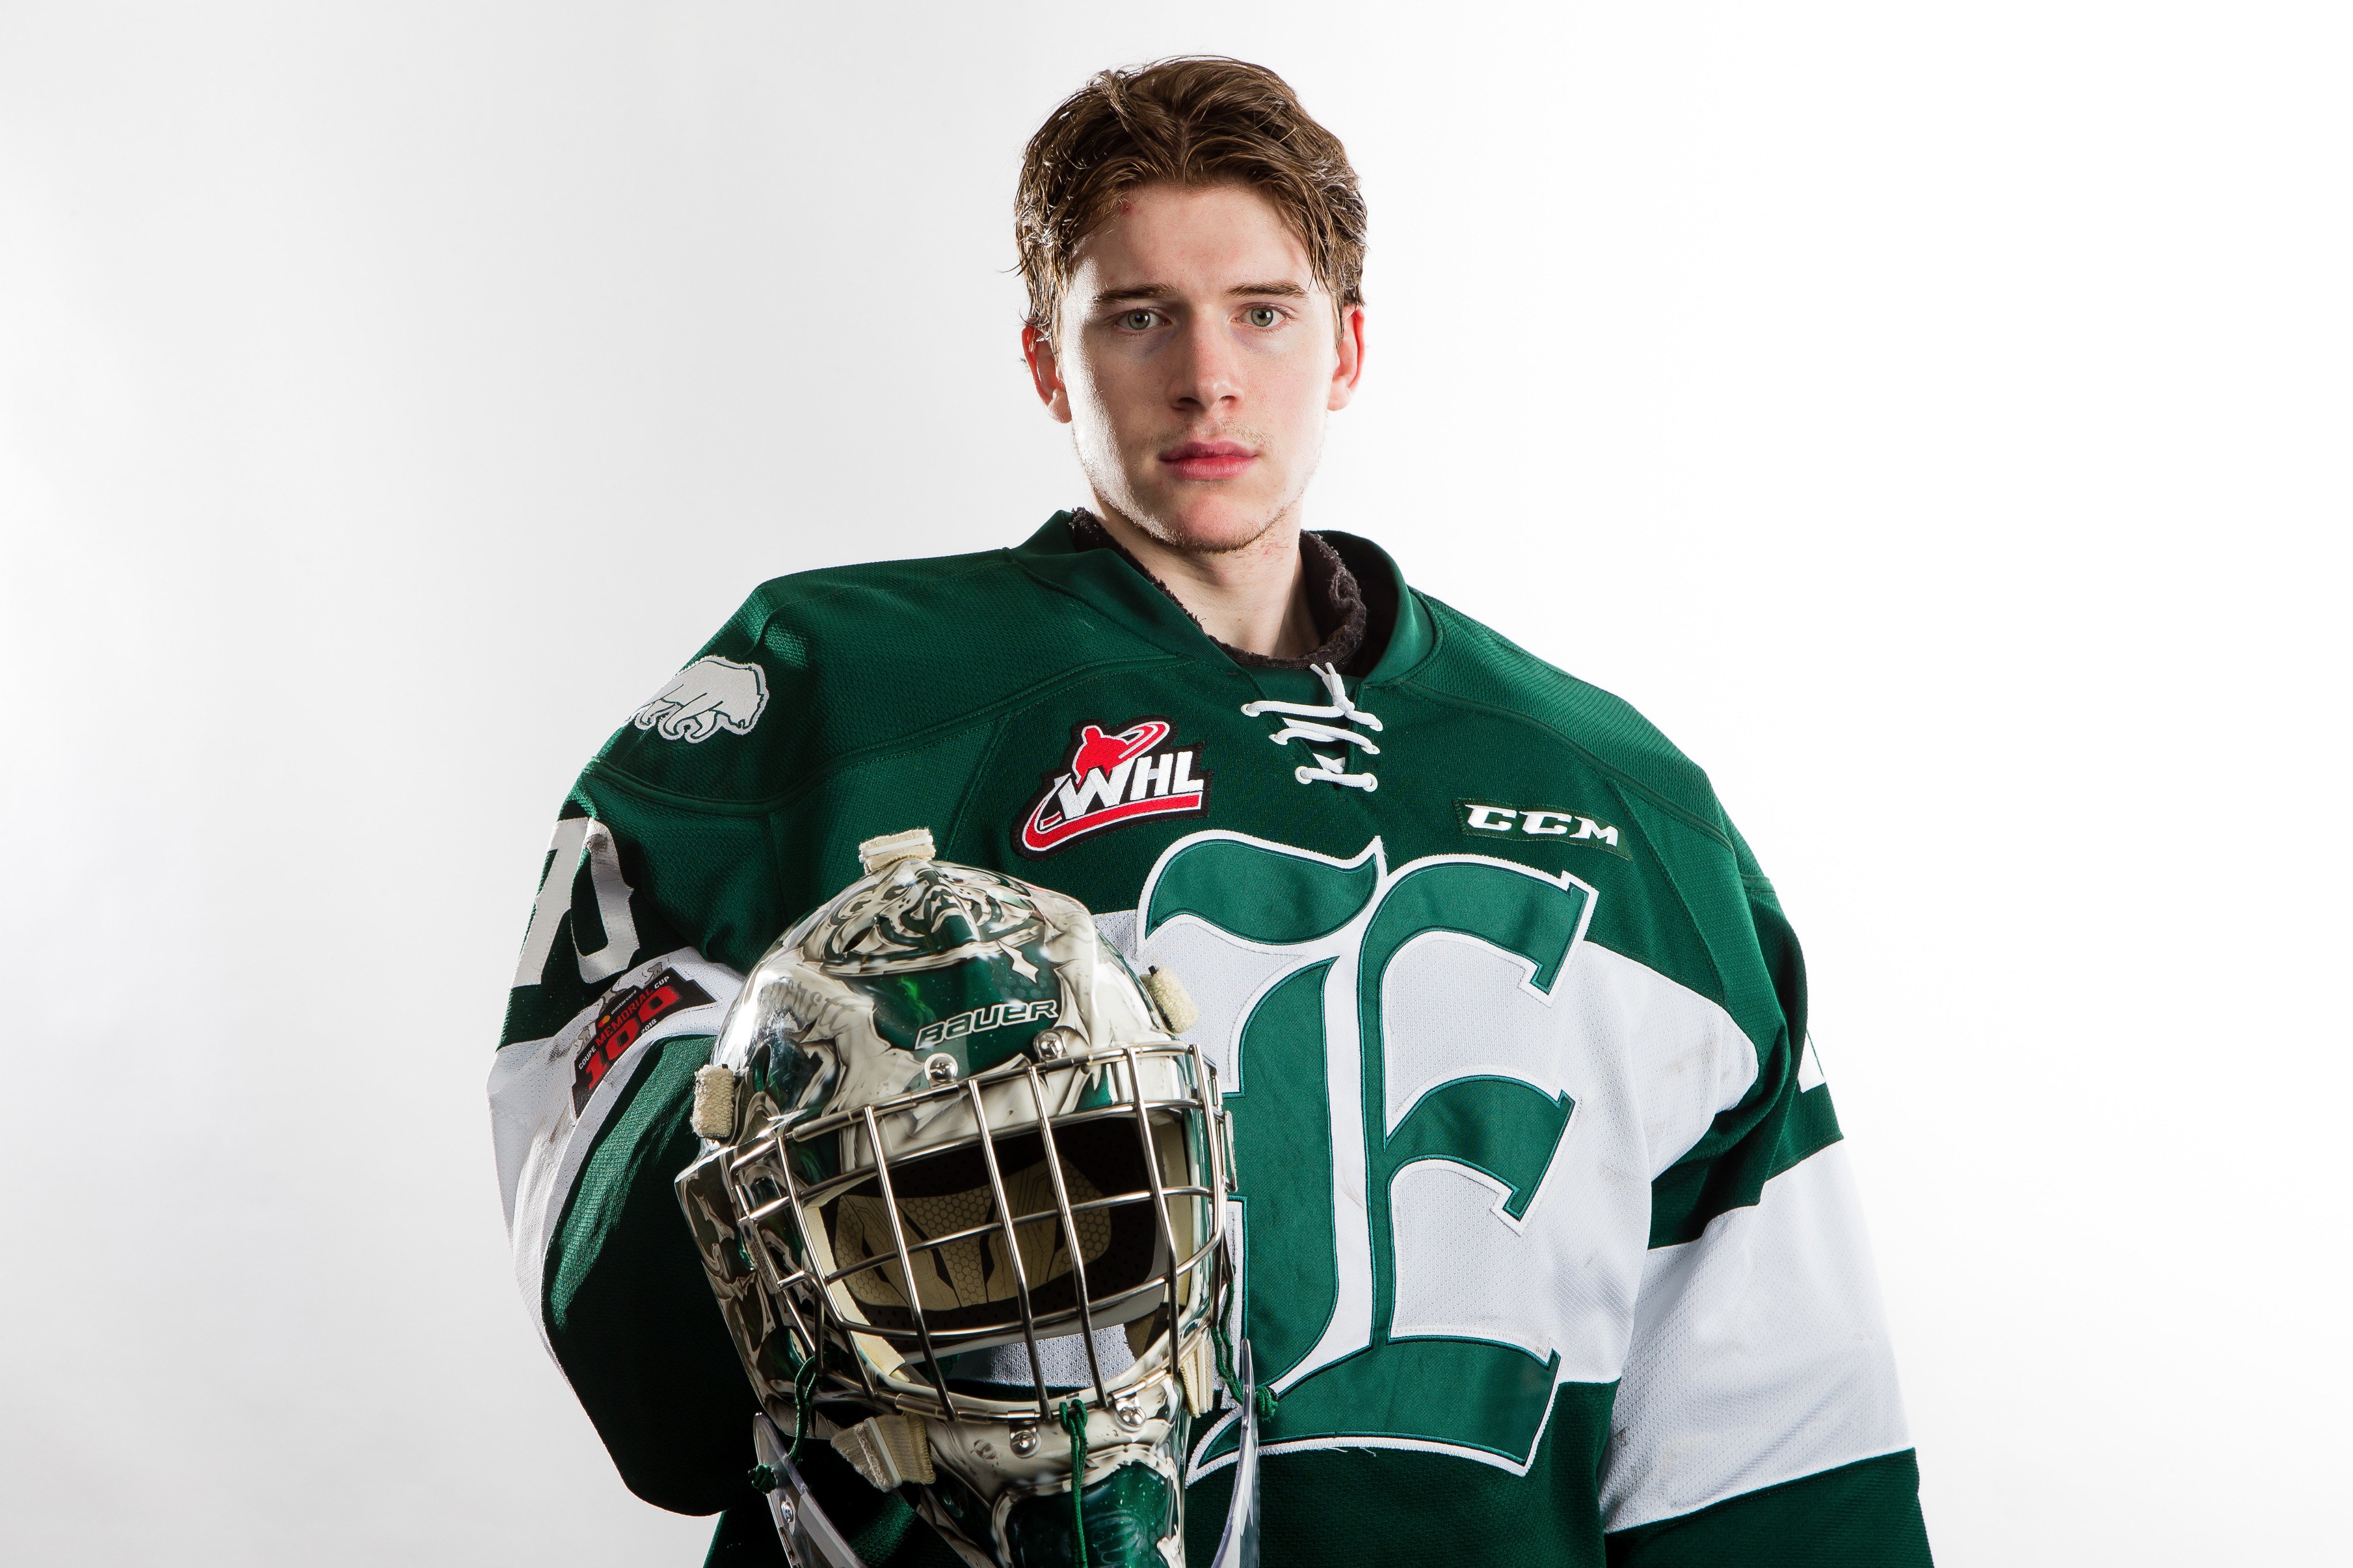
(1122, 776)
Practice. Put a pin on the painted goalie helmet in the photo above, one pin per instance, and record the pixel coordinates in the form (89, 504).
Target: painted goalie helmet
(960, 1198)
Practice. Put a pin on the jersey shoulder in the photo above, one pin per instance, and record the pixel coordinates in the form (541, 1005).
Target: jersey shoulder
(1725, 937)
(820, 667)
(1475, 665)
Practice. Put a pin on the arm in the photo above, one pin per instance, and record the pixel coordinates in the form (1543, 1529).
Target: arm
(657, 895)
(614, 1008)
(1758, 1421)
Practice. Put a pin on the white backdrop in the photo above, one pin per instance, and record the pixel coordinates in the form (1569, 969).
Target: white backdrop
(1935, 418)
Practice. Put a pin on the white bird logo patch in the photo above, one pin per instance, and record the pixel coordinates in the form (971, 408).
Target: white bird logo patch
(710, 695)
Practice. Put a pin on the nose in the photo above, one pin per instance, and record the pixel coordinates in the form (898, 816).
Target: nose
(1206, 370)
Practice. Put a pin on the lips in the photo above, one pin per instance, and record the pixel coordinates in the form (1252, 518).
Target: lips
(1208, 460)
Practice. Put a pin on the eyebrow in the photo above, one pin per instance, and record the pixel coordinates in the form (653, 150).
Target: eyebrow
(1145, 293)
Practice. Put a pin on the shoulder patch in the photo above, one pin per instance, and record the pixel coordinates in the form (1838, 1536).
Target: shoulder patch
(710, 695)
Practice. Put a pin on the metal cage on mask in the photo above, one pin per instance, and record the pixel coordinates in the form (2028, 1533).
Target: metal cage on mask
(1014, 1269)
(1024, 1183)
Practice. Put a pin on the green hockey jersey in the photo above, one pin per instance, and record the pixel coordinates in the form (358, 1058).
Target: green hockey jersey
(1548, 1245)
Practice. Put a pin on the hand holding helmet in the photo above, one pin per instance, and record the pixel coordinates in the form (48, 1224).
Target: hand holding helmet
(961, 1200)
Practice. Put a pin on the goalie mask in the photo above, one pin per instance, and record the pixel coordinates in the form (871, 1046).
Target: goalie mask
(960, 1198)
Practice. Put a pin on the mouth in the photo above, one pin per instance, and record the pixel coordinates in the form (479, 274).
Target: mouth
(1208, 460)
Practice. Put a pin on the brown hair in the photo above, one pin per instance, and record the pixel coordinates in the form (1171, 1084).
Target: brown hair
(1193, 120)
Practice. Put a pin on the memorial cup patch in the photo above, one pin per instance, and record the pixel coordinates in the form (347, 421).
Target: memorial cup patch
(628, 1013)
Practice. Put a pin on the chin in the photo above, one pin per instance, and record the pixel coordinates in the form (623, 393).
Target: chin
(1212, 523)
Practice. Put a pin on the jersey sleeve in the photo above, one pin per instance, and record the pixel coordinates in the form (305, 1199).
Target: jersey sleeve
(660, 890)
(635, 948)
(675, 861)
(1757, 1419)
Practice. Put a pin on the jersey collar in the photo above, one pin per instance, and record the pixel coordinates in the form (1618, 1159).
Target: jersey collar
(1102, 580)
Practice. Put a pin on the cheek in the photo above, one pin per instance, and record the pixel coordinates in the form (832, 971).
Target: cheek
(1102, 421)
(1296, 388)
(1093, 382)
(1109, 398)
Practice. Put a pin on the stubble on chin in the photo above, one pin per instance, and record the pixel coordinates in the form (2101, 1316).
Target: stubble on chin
(1162, 519)
(1228, 540)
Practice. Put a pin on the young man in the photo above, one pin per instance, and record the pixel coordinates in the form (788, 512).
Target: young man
(1550, 1254)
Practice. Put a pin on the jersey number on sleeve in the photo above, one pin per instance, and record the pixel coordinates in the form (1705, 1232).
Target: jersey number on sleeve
(577, 837)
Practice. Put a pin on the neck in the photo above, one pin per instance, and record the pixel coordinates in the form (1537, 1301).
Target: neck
(1253, 598)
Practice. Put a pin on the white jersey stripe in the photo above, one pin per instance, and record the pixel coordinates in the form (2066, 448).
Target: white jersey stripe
(542, 1141)
(1760, 1354)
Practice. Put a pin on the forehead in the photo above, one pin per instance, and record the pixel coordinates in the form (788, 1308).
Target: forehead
(1191, 238)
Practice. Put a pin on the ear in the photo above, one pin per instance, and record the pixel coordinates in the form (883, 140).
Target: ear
(1045, 370)
(1350, 367)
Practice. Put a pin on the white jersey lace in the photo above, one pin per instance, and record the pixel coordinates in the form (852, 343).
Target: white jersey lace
(1302, 723)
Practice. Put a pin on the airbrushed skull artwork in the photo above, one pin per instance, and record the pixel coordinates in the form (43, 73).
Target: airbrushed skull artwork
(961, 1198)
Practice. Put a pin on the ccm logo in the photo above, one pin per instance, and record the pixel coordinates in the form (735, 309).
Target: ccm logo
(1482, 820)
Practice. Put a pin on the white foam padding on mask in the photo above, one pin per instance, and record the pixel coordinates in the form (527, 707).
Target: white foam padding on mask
(1175, 1004)
(1198, 1370)
(1062, 1361)
(915, 844)
(889, 1450)
(714, 1103)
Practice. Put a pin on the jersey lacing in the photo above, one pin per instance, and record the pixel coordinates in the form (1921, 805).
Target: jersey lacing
(1300, 724)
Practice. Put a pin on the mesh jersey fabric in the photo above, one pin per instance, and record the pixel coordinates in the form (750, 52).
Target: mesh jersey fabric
(1543, 1249)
